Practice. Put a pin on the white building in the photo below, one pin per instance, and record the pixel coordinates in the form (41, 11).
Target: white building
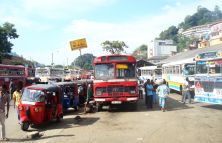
(160, 48)
(197, 31)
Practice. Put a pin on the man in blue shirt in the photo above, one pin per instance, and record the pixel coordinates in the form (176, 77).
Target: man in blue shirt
(149, 88)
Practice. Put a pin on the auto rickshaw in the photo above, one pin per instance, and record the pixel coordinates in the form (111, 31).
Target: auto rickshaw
(70, 94)
(40, 103)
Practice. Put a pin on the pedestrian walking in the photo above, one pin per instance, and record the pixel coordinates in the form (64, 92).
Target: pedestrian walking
(149, 88)
(163, 90)
(4, 99)
(17, 95)
(186, 91)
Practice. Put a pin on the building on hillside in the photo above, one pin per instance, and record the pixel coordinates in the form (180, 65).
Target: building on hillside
(216, 34)
(197, 31)
(159, 49)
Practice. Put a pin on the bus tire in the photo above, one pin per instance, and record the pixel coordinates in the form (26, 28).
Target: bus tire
(98, 107)
(25, 126)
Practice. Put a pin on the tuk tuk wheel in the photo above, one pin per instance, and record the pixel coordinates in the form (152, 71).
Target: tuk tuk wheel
(59, 118)
(25, 126)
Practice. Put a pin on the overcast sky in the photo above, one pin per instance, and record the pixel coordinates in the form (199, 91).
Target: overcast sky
(47, 26)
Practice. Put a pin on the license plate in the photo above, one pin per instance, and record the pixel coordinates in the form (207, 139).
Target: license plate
(116, 102)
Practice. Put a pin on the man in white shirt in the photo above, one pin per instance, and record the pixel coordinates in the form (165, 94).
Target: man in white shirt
(186, 91)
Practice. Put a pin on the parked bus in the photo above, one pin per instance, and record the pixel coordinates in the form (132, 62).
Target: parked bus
(175, 73)
(115, 80)
(71, 74)
(14, 72)
(47, 74)
(150, 72)
(208, 79)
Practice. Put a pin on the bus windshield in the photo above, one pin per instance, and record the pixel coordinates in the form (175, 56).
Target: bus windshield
(104, 71)
(126, 70)
(33, 95)
(215, 67)
(189, 69)
(201, 67)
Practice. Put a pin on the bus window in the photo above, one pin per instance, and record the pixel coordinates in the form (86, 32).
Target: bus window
(189, 69)
(125, 70)
(104, 71)
(201, 67)
(214, 67)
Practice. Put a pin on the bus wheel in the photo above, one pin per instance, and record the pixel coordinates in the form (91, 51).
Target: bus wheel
(25, 126)
(98, 107)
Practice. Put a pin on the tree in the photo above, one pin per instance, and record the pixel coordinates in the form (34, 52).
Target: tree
(84, 61)
(140, 52)
(7, 32)
(170, 33)
(114, 47)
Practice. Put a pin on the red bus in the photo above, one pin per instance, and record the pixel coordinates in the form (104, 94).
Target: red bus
(14, 72)
(115, 80)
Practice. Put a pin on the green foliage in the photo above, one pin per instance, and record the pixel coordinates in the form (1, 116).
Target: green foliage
(114, 47)
(140, 52)
(59, 66)
(84, 61)
(201, 17)
(170, 33)
(7, 32)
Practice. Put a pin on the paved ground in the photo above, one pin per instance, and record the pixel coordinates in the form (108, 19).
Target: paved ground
(193, 123)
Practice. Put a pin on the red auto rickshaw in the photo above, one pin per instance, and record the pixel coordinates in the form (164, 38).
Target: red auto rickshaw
(40, 103)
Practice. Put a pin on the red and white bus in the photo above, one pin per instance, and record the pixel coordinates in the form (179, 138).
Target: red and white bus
(14, 72)
(115, 80)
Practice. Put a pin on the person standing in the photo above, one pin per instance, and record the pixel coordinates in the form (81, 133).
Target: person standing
(149, 88)
(145, 92)
(4, 99)
(154, 92)
(163, 90)
(186, 91)
(17, 95)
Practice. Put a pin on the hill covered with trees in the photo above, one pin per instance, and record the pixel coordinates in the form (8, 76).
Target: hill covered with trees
(201, 17)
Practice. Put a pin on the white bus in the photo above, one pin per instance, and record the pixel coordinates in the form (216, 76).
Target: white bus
(208, 78)
(175, 73)
(47, 74)
(71, 74)
(150, 72)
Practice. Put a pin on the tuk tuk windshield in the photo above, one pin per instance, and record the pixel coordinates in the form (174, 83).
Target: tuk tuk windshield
(33, 95)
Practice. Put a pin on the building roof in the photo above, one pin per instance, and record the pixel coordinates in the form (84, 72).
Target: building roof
(158, 58)
(190, 54)
(142, 63)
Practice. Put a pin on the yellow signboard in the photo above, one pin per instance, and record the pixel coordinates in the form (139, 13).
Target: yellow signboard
(121, 66)
(78, 44)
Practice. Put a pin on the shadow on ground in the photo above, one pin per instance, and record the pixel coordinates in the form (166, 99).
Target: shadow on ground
(213, 106)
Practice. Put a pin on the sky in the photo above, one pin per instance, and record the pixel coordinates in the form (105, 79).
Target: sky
(46, 27)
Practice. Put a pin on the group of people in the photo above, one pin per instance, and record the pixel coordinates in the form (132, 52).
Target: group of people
(15, 93)
(153, 92)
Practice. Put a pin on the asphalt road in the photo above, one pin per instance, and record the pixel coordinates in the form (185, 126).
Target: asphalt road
(181, 123)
